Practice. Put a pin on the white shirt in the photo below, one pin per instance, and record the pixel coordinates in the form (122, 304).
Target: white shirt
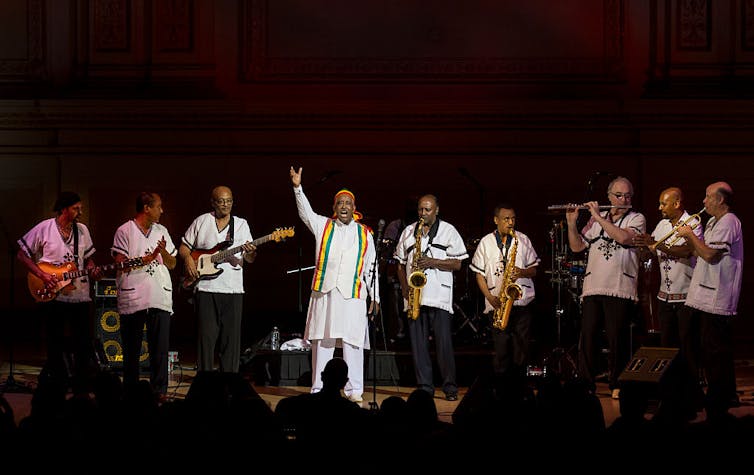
(716, 287)
(203, 234)
(675, 272)
(144, 287)
(611, 268)
(44, 243)
(447, 244)
(489, 261)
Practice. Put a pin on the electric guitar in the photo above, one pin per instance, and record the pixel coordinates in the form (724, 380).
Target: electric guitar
(65, 273)
(206, 260)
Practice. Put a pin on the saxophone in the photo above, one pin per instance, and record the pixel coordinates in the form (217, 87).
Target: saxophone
(417, 279)
(509, 290)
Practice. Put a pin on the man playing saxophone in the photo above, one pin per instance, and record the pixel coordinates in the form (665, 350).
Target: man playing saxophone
(442, 250)
(503, 249)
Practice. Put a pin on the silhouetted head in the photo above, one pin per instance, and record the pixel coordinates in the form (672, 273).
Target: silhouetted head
(335, 374)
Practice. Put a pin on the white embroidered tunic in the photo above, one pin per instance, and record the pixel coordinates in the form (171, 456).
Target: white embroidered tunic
(489, 261)
(612, 269)
(716, 287)
(675, 272)
(149, 286)
(44, 243)
(446, 244)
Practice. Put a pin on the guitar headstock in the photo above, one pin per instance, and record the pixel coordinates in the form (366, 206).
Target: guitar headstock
(281, 233)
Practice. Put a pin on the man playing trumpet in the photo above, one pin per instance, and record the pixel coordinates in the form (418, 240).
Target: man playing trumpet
(714, 292)
(676, 265)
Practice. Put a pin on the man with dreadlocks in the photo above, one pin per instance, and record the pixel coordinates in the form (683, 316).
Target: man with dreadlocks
(344, 263)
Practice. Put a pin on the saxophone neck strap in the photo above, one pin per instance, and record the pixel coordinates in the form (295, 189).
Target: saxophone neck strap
(504, 246)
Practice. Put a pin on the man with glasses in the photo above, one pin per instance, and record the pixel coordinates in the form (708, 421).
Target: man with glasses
(218, 300)
(609, 294)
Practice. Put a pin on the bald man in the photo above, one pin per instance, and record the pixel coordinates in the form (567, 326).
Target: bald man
(676, 265)
(218, 300)
(714, 292)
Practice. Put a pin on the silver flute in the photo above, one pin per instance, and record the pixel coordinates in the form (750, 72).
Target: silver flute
(567, 207)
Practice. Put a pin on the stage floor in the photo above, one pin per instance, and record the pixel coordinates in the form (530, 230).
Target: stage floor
(25, 375)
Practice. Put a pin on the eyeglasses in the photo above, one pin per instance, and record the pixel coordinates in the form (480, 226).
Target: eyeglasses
(223, 202)
(622, 195)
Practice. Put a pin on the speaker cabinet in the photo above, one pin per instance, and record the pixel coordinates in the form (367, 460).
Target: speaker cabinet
(107, 329)
(649, 365)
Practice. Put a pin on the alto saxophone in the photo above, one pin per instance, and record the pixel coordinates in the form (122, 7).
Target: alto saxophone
(509, 290)
(417, 279)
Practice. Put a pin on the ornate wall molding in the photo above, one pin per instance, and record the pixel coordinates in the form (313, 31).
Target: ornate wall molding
(747, 25)
(492, 57)
(31, 68)
(694, 28)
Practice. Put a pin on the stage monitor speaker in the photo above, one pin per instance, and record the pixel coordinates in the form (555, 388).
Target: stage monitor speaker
(649, 365)
(108, 327)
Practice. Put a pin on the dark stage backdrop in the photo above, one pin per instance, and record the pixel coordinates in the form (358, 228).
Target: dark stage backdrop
(537, 103)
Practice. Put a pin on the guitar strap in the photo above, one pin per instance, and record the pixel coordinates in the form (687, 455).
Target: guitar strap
(75, 231)
(229, 236)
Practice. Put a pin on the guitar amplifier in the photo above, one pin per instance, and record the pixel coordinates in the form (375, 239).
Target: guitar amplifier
(107, 330)
(105, 288)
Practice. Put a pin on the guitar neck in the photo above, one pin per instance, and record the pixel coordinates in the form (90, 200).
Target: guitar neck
(222, 255)
(116, 265)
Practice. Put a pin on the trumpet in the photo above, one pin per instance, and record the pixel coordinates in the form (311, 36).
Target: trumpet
(698, 220)
(567, 207)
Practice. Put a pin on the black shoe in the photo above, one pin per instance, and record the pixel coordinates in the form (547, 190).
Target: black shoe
(451, 397)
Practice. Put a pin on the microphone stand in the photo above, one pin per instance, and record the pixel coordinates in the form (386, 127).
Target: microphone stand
(372, 324)
(10, 385)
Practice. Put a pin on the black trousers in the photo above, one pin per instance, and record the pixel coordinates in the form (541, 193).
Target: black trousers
(437, 321)
(717, 359)
(680, 329)
(68, 326)
(512, 344)
(219, 321)
(615, 315)
(158, 340)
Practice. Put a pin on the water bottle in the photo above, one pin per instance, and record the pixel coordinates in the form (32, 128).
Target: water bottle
(275, 339)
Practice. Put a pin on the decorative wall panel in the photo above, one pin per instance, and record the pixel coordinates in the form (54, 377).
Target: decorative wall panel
(122, 39)
(476, 40)
(747, 25)
(694, 25)
(22, 41)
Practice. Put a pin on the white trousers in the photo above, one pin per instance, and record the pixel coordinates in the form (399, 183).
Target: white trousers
(323, 351)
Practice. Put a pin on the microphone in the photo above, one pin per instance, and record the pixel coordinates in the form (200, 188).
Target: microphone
(380, 231)
(329, 174)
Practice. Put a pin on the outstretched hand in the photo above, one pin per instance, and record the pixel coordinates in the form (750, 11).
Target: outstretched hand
(296, 176)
